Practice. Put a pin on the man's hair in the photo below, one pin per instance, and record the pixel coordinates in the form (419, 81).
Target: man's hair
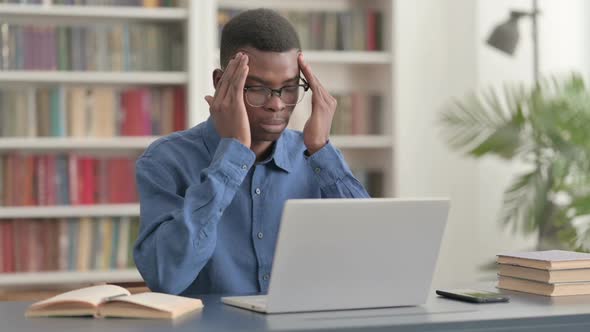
(262, 29)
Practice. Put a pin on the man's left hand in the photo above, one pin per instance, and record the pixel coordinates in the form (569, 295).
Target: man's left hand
(316, 131)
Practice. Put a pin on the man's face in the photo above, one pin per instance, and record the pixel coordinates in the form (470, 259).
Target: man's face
(272, 70)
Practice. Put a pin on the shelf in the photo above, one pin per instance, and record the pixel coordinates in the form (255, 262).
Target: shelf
(348, 57)
(98, 210)
(68, 277)
(64, 12)
(362, 142)
(343, 57)
(89, 77)
(75, 143)
(140, 143)
(303, 5)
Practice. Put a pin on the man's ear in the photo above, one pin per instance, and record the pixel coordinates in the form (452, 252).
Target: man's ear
(217, 73)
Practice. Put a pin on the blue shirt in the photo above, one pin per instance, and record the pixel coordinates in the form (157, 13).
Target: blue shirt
(210, 214)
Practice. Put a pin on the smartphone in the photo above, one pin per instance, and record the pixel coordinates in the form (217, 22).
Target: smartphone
(473, 295)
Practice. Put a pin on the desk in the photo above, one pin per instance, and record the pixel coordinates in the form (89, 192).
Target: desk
(523, 313)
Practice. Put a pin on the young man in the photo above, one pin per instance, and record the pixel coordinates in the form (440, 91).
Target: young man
(212, 196)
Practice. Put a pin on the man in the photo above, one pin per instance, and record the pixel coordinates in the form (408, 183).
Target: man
(212, 196)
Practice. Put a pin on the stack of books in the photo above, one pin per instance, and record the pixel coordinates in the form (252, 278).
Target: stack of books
(549, 273)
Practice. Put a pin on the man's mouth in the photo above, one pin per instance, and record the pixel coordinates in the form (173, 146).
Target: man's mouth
(275, 125)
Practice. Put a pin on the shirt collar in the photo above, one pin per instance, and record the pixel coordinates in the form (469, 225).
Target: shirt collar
(279, 155)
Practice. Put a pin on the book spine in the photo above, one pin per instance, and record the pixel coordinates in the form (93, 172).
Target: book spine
(124, 230)
(2, 178)
(51, 180)
(8, 246)
(63, 244)
(73, 244)
(371, 30)
(73, 180)
(179, 109)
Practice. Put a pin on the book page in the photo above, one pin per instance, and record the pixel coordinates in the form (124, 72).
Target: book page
(93, 295)
(549, 255)
(162, 302)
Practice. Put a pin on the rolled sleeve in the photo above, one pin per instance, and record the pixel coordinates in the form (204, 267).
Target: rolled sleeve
(334, 175)
(232, 161)
(328, 165)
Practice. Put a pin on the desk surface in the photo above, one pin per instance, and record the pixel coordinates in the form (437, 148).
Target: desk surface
(528, 312)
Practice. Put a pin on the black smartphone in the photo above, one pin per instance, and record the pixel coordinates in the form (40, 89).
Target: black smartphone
(473, 295)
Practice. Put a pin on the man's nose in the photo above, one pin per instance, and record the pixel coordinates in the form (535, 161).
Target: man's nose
(275, 104)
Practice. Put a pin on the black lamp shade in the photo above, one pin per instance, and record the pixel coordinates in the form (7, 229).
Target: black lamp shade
(505, 36)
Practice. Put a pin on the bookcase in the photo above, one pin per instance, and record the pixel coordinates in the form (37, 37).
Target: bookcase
(349, 44)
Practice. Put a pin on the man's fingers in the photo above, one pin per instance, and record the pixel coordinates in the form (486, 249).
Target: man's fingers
(227, 76)
(209, 100)
(314, 83)
(309, 76)
(240, 75)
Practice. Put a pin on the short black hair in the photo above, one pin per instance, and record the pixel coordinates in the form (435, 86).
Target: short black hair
(262, 29)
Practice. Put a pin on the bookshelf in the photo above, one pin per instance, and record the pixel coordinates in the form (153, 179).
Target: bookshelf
(95, 215)
(342, 71)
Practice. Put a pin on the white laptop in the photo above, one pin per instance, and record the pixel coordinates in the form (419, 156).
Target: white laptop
(335, 254)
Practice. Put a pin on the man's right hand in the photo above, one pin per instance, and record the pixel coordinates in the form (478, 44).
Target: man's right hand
(227, 106)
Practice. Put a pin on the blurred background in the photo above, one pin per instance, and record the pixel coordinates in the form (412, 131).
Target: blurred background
(430, 105)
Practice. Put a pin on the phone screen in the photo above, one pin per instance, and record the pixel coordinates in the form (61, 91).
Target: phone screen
(473, 295)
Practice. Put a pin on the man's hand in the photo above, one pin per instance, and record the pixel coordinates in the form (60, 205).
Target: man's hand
(323, 106)
(227, 106)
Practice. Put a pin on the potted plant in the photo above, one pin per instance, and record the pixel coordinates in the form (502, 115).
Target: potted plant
(546, 130)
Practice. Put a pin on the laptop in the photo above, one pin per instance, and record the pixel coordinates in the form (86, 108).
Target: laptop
(337, 254)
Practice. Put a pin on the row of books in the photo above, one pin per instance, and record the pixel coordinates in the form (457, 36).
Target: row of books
(91, 111)
(112, 47)
(358, 114)
(372, 180)
(47, 180)
(359, 29)
(549, 273)
(127, 3)
(23, 2)
(29, 245)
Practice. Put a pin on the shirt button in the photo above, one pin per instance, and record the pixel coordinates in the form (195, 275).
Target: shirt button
(318, 170)
(266, 276)
(260, 235)
(257, 191)
(244, 167)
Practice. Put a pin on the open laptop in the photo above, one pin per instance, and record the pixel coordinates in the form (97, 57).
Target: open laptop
(335, 254)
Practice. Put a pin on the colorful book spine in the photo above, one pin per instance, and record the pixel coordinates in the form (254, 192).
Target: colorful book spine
(118, 47)
(357, 29)
(358, 114)
(92, 111)
(83, 244)
(73, 179)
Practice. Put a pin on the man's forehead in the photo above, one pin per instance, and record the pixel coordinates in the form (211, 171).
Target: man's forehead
(272, 67)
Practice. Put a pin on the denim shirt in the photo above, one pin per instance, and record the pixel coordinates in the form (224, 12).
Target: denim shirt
(210, 214)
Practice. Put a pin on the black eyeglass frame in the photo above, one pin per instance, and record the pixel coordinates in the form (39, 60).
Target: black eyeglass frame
(278, 92)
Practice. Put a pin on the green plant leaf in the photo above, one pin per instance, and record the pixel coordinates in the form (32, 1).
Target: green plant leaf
(546, 128)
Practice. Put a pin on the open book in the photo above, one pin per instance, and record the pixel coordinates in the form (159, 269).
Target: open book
(113, 301)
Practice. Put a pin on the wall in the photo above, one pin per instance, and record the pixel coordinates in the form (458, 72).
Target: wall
(441, 53)
(435, 59)
(563, 48)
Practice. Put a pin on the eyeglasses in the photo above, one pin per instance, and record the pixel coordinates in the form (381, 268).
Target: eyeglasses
(291, 95)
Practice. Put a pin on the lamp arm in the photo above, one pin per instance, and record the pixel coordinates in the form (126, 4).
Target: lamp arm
(535, 35)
